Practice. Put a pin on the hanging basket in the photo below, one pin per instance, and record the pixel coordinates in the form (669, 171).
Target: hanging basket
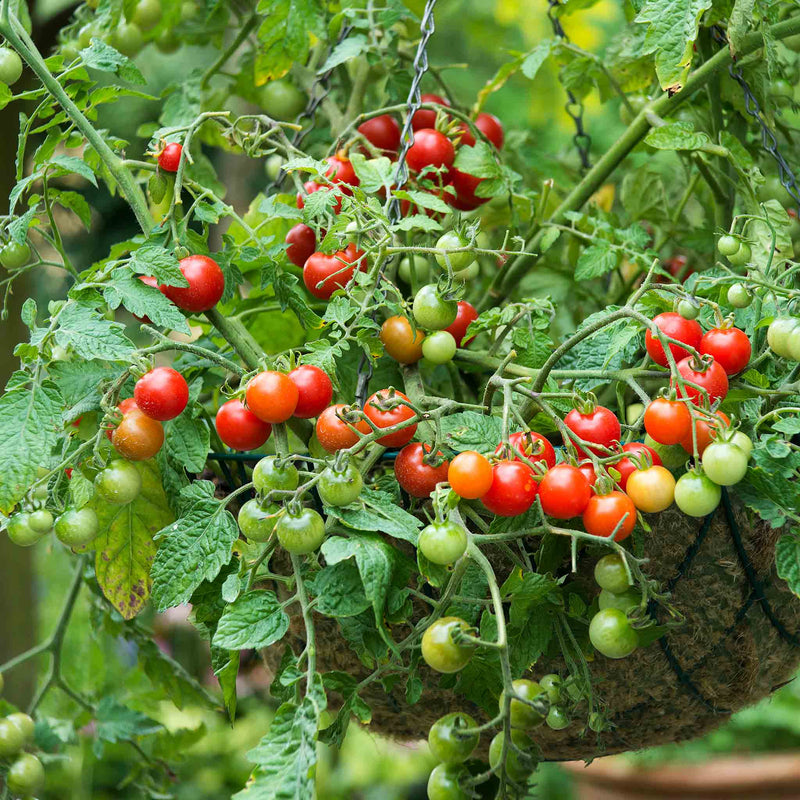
(739, 642)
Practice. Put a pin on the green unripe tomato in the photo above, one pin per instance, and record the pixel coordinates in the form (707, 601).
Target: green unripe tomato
(41, 521)
(741, 256)
(20, 531)
(256, 522)
(15, 255)
(443, 542)
(597, 722)
(167, 42)
(743, 442)
(128, 39)
(272, 474)
(281, 100)
(739, 296)
(431, 311)
(452, 241)
(469, 272)
(610, 574)
(77, 527)
(119, 483)
(518, 766)
(70, 50)
(300, 532)
(272, 166)
(26, 776)
(557, 719)
(611, 633)
(11, 738)
(422, 268)
(189, 10)
(688, 309)
(625, 602)
(452, 738)
(551, 683)
(696, 494)
(10, 66)
(522, 715)
(633, 413)
(340, 487)
(724, 463)
(25, 725)
(778, 335)
(147, 14)
(443, 783)
(85, 36)
(439, 649)
(439, 347)
(728, 245)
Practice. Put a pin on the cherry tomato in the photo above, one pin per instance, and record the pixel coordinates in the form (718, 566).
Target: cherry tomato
(425, 118)
(314, 390)
(439, 347)
(334, 433)
(709, 376)
(513, 489)
(169, 158)
(688, 309)
(519, 765)
(129, 404)
(340, 170)
(401, 342)
(41, 521)
(465, 315)
(302, 243)
(729, 347)
(272, 474)
(128, 39)
(652, 489)
(119, 483)
(739, 296)
(324, 274)
(382, 132)
(162, 393)
(443, 782)
(696, 494)
(671, 324)
(535, 447)
(521, 714)
(470, 475)
(15, 255)
(741, 256)
(489, 125)
(626, 466)
(452, 738)
(21, 532)
(11, 67)
(309, 187)
(600, 427)
(452, 241)
(442, 542)
(206, 285)
(703, 433)
(551, 683)
(667, 421)
(301, 531)
(611, 634)
(557, 719)
(611, 575)
(724, 463)
(421, 266)
(727, 245)
(239, 428)
(432, 311)
(564, 492)
(11, 738)
(608, 512)
(138, 437)
(388, 418)
(25, 724)
(281, 100)
(416, 476)
(340, 487)
(440, 651)
(77, 527)
(778, 333)
(147, 14)
(465, 186)
(25, 776)
(257, 522)
(272, 396)
(430, 149)
(586, 468)
(743, 442)
(625, 602)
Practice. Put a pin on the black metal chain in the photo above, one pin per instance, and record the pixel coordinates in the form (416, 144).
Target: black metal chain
(753, 108)
(427, 28)
(573, 106)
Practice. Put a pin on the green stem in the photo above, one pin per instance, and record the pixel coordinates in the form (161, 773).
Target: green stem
(238, 337)
(244, 32)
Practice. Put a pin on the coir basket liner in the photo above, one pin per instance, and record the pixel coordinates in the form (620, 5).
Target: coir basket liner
(739, 642)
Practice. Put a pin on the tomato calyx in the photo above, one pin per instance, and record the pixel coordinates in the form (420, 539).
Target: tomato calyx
(584, 404)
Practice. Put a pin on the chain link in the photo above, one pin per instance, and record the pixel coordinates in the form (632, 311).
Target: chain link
(768, 140)
(427, 28)
(573, 106)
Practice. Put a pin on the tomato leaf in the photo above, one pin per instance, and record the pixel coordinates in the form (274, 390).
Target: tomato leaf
(285, 35)
(787, 559)
(255, 620)
(90, 335)
(378, 512)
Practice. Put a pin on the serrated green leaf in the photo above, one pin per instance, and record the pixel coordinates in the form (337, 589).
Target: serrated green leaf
(534, 60)
(469, 430)
(378, 511)
(102, 57)
(595, 261)
(188, 442)
(677, 136)
(90, 335)
(255, 620)
(67, 165)
(158, 262)
(787, 560)
(346, 50)
(143, 301)
(339, 590)
(285, 35)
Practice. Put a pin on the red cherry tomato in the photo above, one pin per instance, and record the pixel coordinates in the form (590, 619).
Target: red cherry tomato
(414, 475)
(711, 377)
(704, 431)
(687, 331)
(340, 170)
(430, 149)
(315, 390)
(170, 157)
(127, 405)
(489, 126)
(334, 433)
(513, 489)
(309, 187)
(162, 393)
(729, 347)
(272, 396)
(587, 468)
(387, 418)
(239, 428)
(564, 492)
(606, 511)
(677, 268)
(206, 285)
(599, 427)
(535, 447)
(324, 274)
(302, 243)
(625, 466)
(464, 185)
(464, 316)
(382, 132)
(667, 421)
(424, 118)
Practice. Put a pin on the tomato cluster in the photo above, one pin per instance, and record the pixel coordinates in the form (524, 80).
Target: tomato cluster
(25, 776)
